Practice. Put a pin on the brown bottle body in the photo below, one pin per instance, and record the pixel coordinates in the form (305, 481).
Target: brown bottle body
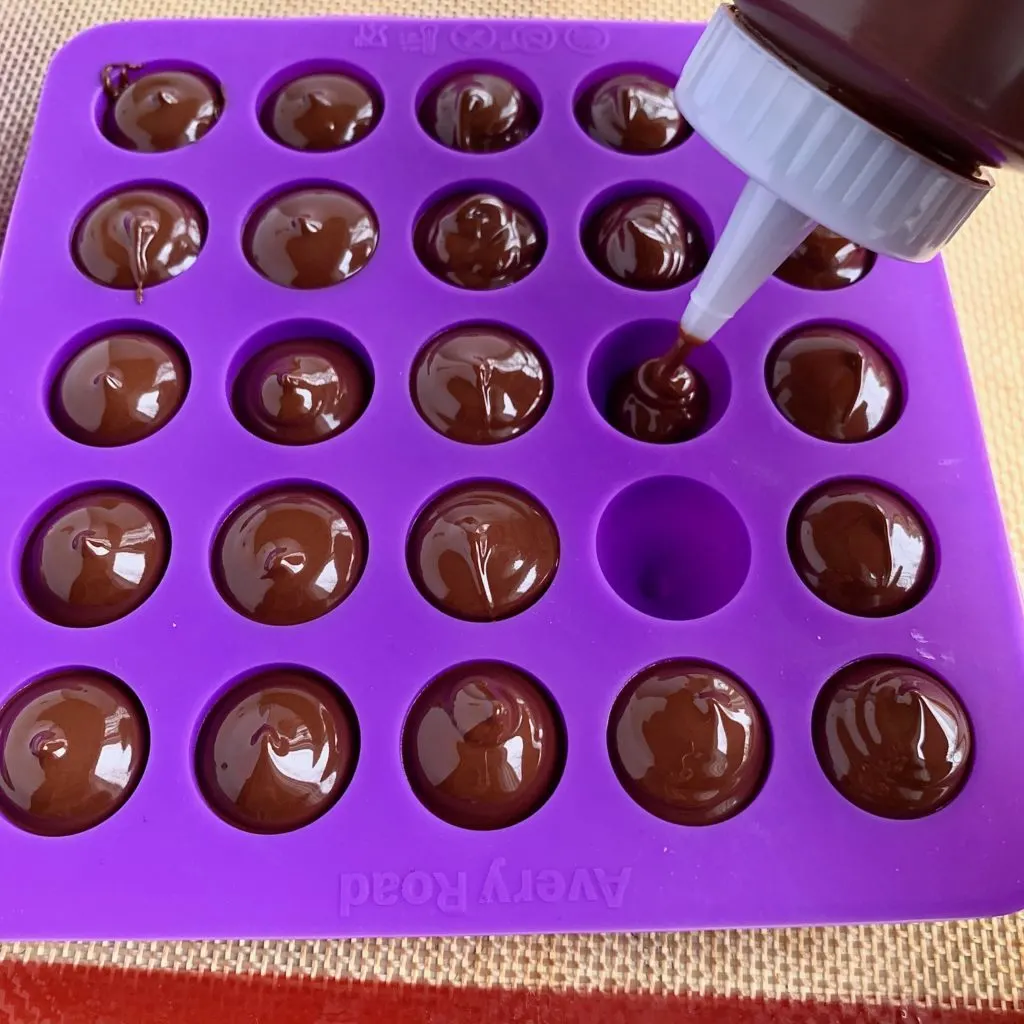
(944, 76)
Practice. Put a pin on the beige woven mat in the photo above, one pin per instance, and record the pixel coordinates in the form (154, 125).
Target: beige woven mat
(962, 964)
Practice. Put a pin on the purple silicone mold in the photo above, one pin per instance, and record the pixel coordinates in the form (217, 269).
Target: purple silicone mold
(590, 858)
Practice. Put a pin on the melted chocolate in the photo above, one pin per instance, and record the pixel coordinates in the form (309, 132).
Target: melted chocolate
(95, 558)
(139, 238)
(633, 113)
(833, 384)
(480, 384)
(119, 389)
(156, 111)
(892, 739)
(276, 752)
(825, 261)
(483, 551)
(73, 747)
(311, 238)
(662, 401)
(479, 113)
(478, 241)
(300, 392)
(861, 549)
(688, 743)
(483, 748)
(645, 242)
(323, 112)
(289, 556)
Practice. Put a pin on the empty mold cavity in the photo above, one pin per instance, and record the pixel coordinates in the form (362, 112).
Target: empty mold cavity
(673, 548)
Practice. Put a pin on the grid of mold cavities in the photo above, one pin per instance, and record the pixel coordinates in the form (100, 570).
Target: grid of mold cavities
(714, 509)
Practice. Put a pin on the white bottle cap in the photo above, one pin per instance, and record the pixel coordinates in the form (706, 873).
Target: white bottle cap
(811, 161)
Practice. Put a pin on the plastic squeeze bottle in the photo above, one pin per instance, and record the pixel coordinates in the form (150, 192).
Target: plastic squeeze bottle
(874, 118)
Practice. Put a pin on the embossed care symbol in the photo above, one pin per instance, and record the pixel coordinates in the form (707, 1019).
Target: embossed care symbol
(371, 37)
(453, 891)
(586, 38)
(531, 39)
(421, 39)
(471, 38)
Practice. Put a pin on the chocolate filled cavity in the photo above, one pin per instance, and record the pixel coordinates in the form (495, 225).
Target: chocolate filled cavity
(662, 401)
(861, 549)
(300, 392)
(892, 738)
(139, 238)
(72, 750)
(95, 558)
(277, 751)
(476, 112)
(825, 261)
(478, 241)
(311, 238)
(119, 389)
(634, 113)
(483, 747)
(480, 384)
(289, 555)
(688, 743)
(156, 111)
(645, 242)
(483, 551)
(322, 112)
(834, 385)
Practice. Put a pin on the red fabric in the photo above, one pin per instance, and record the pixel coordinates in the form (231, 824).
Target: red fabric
(42, 994)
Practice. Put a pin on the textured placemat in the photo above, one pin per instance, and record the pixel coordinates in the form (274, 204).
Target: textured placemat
(954, 964)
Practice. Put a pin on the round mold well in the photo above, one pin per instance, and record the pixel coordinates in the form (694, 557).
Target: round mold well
(673, 548)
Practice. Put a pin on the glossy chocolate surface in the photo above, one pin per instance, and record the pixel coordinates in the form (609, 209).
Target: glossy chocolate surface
(156, 111)
(276, 751)
(892, 738)
(478, 241)
(311, 238)
(139, 238)
(72, 750)
(861, 549)
(645, 242)
(322, 112)
(95, 558)
(662, 401)
(483, 747)
(688, 743)
(634, 113)
(483, 551)
(289, 555)
(119, 389)
(834, 385)
(479, 113)
(300, 392)
(480, 384)
(825, 261)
